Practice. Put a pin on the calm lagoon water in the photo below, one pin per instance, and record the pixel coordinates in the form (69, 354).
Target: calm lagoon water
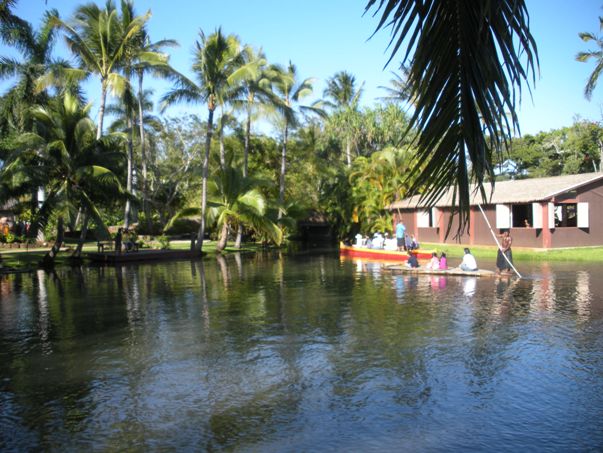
(307, 353)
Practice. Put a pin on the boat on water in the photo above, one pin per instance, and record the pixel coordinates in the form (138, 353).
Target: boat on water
(453, 271)
(380, 254)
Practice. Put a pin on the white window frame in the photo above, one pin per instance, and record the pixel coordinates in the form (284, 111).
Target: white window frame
(423, 219)
(551, 215)
(503, 216)
(435, 217)
(536, 215)
(582, 213)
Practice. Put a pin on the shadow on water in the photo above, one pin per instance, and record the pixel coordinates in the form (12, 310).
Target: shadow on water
(304, 351)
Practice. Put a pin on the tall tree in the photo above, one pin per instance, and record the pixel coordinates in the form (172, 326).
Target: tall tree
(35, 46)
(218, 65)
(255, 94)
(99, 41)
(343, 97)
(150, 59)
(467, 63)
(79, 170)
(139, 55)
(596, 55)
(291, 91)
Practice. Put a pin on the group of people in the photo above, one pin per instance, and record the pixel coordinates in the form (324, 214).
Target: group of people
(386, 242)
(435, 263)
(403, 241)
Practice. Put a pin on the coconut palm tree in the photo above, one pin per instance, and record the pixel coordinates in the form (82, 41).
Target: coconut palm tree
(255, 95)
(291, 91)
(342, 97)
(596, 55)
(139, 55)
(150, 59)
(398, 90)
(218, 66)
(99, 41)
(36, 50)
(79, 170)
(235, 199)
(467, 64)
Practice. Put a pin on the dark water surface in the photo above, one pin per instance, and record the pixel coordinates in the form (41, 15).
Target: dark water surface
(268, 353)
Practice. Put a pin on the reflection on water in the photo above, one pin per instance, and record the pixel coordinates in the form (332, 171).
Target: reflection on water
(282, 353)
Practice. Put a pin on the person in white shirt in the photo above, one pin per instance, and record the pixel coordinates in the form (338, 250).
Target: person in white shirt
(434, 262)
(468, 264)
(359, 240)
(378, 241)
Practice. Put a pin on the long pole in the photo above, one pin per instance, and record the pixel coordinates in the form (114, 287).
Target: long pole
(496, 240)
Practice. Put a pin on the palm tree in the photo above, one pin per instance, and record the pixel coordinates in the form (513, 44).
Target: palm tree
(255, 94)
(79, 170)
(290, 91)
(343, 97)
(218, 65)
(150, 59)
(139, 56)
(236, 199)
(35, 48)
(467, 63)
(99, 40)
(596, 55)
(398, 90)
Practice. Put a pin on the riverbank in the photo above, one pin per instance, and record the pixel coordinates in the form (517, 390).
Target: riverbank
(588, 254)
(30, 258)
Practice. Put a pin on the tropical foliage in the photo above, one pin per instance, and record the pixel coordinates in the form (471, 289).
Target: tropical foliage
(447, 116)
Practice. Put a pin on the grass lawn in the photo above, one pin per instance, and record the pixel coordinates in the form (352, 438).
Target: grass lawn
(523, 254)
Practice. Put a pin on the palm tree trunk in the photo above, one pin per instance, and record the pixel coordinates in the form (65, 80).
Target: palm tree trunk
(239, 238)
(143, 154)
(222, 150)
(48, 259)
(221, 138)
(210, 119)
(223, 237)
(281, 189)
(129, 176)
(78, 250)
(33, 226)
(101, 110)
(348, 152)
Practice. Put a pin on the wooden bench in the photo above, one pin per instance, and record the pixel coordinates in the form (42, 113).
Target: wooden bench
(101, 245)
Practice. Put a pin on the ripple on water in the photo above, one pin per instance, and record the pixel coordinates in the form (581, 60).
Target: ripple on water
(299, 355)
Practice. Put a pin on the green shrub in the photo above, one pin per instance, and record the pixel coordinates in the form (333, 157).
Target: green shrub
(164, 242)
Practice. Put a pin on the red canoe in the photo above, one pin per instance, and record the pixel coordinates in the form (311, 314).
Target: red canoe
(380, 254)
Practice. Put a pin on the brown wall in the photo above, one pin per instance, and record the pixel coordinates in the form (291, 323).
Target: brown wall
(408, 217)
(522, 237)
(579, 237)
(429, 235)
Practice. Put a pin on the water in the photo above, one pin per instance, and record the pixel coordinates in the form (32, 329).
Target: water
(273, 353)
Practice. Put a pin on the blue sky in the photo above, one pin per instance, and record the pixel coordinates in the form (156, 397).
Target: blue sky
(325, 36)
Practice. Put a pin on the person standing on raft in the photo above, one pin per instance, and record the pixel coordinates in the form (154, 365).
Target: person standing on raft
(504, 264)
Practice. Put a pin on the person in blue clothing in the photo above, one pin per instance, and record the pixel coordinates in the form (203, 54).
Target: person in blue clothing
(412, 261)
(400, 233)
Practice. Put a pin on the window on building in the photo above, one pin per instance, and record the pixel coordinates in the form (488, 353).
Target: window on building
(566, 215)
(522, 216)
(427, 218)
